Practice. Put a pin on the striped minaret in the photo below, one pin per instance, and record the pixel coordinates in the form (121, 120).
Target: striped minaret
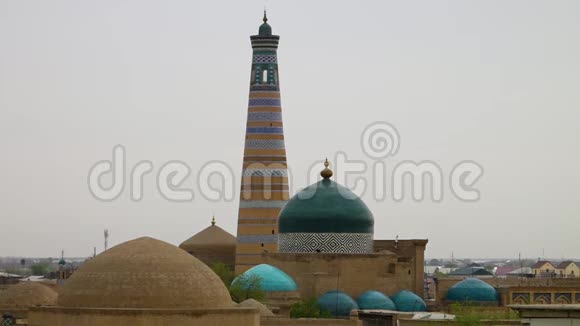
(264, 188)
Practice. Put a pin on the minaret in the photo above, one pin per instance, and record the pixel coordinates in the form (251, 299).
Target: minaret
(264, 188)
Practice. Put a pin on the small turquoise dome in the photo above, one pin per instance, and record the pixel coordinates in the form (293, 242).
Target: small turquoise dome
(472, 289)
(62, 262)
(409, 301)
(272, 279)
(371, 300)
(265, 28)
(337, 303)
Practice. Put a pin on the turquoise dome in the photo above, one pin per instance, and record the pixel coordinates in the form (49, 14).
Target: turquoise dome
(325, 207)
(337, 303)
(265, 28)
(472, 289)
(374, 300)
(409, 301)
(272, 279)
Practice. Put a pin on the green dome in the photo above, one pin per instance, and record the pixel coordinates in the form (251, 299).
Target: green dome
(337, 303)
(265, 28)
(408, 301)
(374, 300)
(271, 278)
(472, 289)
(325, 207)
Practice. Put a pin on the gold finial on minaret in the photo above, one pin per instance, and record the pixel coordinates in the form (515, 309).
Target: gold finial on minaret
(265, 16)
(326, 173)
(213, 220)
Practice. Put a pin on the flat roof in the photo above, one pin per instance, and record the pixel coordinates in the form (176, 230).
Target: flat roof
(567, 307)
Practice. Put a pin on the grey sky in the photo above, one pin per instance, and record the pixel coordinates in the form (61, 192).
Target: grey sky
(496, 82)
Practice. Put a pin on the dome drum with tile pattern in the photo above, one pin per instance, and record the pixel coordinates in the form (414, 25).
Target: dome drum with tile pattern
(325, 217)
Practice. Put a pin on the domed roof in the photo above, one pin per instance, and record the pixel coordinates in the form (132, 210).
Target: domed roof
(375, 300)
(144, 273)
(325, 207)
(212, 236)
(27, 294)
(409, 301)
(265, 28)
(251, 303)
(272, 279)
(471, 289)
(337, 303)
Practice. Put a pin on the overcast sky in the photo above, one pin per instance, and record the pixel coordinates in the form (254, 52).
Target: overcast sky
(496, 82)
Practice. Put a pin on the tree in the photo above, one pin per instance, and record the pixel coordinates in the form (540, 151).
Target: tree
(247, 287)
(224, 273)
(435, 262)
(308, 309)
(39, 269)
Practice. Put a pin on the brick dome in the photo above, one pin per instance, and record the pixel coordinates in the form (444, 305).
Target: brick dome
(27, 294)
(212, 245)
(144, 273)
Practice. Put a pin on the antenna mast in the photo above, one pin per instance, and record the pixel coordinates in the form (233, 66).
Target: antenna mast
(106, 234)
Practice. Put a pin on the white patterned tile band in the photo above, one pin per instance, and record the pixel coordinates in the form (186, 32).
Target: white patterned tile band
(264, 144)
(265, 172)
(340, 243)
(265, 58)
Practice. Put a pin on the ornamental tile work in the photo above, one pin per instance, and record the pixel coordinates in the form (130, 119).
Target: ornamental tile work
(265, 130)
(264, 189)
(264, 102)
(267, 58)
(264, 144)
(265, 116)
(563, 298)
(542, 298)
(344, 243)
(543, 295)
(520, 298)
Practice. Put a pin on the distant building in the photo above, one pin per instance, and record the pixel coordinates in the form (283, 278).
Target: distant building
(471, 271)
(521, 272)
(6, 278)
(568, 269)
(503, 271)
(544, 268)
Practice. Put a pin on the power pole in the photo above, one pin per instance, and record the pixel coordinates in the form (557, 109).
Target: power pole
(106, 239)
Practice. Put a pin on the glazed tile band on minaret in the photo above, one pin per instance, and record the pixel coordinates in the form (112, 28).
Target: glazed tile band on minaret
(264, 189)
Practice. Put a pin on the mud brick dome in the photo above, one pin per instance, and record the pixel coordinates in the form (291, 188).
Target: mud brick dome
(27, 294)
(212, 245)
(144, 273)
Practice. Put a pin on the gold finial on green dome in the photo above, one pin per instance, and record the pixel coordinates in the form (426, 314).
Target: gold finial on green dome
(213, 220)
(326, 173)
(265, 16)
